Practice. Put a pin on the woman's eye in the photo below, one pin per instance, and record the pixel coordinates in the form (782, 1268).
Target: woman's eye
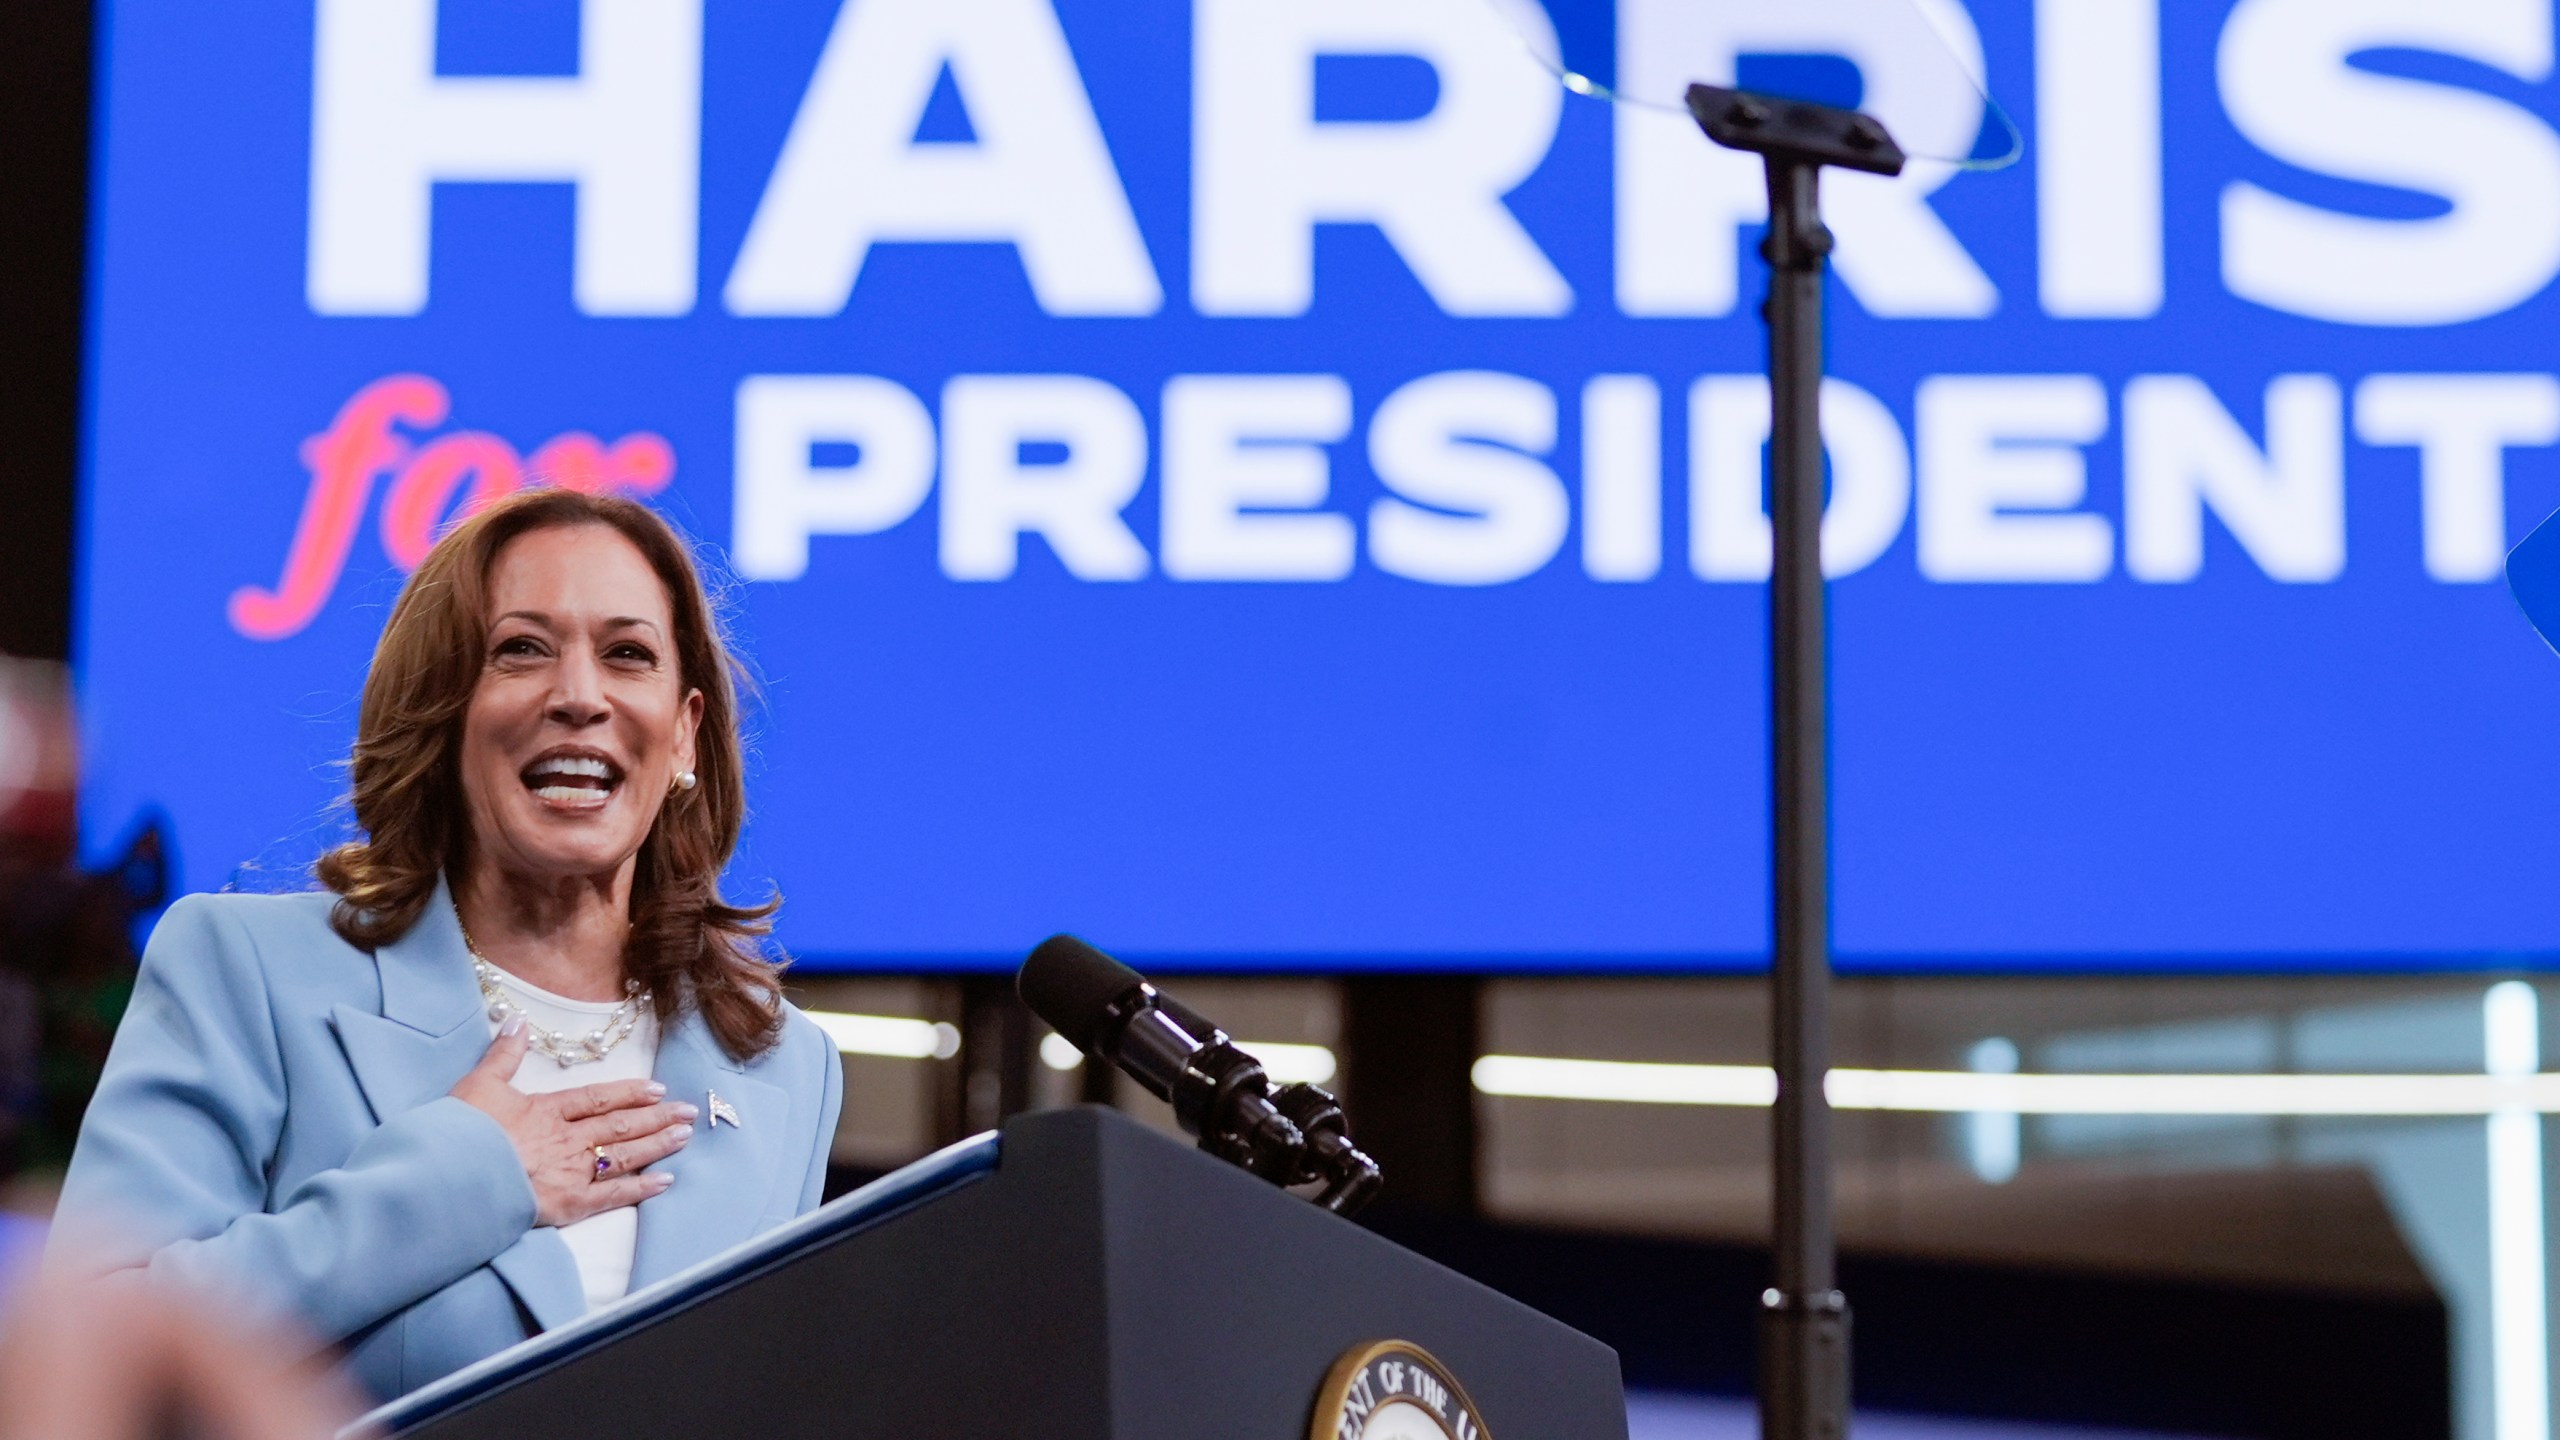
(635, 654)
(517, 645)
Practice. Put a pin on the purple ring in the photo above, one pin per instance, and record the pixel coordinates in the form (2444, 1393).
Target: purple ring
(604, 1163)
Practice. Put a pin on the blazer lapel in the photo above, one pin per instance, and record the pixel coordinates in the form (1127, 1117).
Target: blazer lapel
(431, 1030)
(724, 1176)
(430, 1033)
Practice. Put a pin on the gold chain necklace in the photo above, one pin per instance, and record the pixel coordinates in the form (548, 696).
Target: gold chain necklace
(560, 1045)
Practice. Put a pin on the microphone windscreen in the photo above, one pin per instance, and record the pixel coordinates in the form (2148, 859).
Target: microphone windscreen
(1071, 985)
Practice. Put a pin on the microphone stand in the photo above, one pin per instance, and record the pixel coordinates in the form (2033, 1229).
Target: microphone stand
(1804, 1319)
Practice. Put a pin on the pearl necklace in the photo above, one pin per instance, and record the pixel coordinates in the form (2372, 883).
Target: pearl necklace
(558, 1044)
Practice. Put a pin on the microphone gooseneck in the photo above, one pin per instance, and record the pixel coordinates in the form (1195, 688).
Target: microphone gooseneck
(1293, 1136)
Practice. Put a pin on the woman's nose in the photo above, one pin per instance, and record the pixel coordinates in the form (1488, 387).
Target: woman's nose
(577, 692)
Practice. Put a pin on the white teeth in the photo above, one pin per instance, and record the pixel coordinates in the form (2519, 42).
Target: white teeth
(571, 782)
(580, 765)
(572, 795)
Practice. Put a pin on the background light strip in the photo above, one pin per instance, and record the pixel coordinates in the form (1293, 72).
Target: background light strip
(899, 1038)
(890, 1035)
(1631, 1081)
(1285, 1064)
(1964, 1092)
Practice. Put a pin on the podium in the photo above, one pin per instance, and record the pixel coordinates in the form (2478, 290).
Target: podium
(1075, 1276)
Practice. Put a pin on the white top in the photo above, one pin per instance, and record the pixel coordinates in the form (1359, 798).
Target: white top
(601, 1244)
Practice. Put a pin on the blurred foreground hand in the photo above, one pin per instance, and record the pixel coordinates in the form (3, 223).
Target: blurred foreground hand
(92, 1361)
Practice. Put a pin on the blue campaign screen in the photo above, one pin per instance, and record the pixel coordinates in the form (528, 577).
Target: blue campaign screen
(1278, 484)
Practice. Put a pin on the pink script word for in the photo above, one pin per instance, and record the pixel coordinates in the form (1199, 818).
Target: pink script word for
(361, 446)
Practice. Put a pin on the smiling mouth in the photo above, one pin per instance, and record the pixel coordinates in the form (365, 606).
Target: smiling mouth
(572, 782)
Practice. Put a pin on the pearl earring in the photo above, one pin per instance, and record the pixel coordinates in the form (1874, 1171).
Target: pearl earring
(684, 781)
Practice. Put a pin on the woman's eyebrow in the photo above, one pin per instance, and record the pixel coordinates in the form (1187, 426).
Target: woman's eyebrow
(535, 616)
(626, 622)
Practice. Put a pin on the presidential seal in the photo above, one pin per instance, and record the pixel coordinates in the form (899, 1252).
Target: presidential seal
(1393, 1390)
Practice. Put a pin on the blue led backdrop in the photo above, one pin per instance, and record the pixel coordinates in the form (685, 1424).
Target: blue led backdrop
(1278, 484)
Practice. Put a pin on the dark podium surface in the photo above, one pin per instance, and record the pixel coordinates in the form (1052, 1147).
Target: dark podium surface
(1082, 1277)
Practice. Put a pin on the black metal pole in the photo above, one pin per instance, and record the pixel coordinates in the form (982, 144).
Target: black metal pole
(1804, 1325)
(1804, 1320)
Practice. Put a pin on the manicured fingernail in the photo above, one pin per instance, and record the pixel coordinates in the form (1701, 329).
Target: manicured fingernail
(685, 1111)
(656, 1089)
(513, 1027)
(664, 1178)
(683, 1133)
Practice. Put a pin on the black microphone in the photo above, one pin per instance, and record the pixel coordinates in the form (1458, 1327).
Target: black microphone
(1218, 1092)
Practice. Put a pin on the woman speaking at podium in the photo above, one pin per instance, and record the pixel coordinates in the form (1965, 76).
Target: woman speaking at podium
(519, 1057)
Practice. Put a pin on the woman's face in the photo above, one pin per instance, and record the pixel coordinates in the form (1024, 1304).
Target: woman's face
(581, 718)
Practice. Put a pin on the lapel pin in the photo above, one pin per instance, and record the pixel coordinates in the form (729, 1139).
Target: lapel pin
(722, 1110)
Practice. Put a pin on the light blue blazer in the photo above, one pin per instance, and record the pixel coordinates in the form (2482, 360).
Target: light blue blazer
(273, 1123)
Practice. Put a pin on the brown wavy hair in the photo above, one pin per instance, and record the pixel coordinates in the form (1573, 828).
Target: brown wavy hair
(687, 944)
